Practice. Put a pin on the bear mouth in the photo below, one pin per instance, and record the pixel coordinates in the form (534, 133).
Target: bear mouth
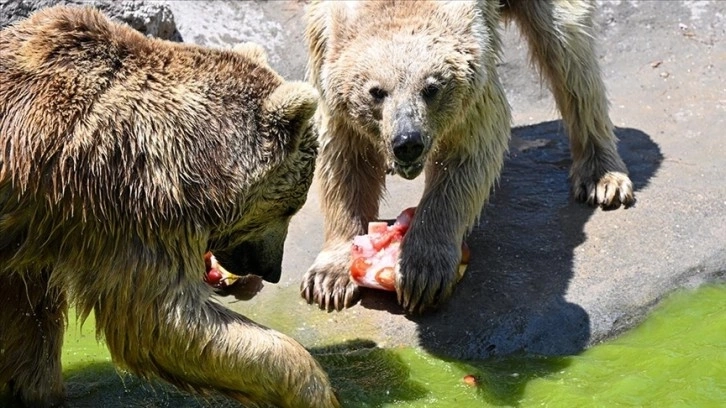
(227, 283)
(409, 171)
(216, 275)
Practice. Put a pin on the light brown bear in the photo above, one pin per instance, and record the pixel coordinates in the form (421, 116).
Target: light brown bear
(123, 159)
(412, 86)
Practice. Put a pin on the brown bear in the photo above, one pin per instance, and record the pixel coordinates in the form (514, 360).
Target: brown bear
(123, 159)
(410, 87)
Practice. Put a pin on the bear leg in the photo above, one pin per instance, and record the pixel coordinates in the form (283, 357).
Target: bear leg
(172, 329)
(561, 42)
(31, 337)
(351, 175)
(458, 183)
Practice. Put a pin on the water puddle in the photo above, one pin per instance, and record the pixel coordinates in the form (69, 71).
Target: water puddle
(676, 357)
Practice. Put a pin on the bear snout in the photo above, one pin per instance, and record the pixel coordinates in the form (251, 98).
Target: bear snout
(253, 258)
(408, 146)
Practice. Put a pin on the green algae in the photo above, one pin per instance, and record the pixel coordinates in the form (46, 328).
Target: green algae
(677, 357)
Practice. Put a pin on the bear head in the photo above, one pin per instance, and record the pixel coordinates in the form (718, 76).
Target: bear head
(400, 73)
(170, 149)
(253, 244)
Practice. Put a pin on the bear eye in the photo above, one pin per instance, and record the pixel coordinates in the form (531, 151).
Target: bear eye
(289, 212)
(378, 93)
(430, 91)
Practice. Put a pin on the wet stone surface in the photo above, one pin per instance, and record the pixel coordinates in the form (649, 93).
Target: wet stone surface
(547, 275)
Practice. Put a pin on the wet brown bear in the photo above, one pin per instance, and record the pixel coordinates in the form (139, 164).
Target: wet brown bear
(410, 87)
(122, 160)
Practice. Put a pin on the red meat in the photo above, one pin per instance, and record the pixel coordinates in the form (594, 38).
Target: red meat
(375, 255)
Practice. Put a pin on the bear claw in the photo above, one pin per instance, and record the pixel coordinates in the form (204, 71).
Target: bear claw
(329, 290)
(611, 191)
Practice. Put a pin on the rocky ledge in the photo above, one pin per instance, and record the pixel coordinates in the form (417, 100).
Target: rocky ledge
(548, 275)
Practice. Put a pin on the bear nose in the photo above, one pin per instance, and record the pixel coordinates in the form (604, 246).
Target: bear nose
(408, 146)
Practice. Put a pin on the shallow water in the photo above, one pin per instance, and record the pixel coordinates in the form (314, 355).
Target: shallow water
(677, 357)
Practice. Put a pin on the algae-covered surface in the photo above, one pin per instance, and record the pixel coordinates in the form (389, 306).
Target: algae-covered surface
(677, 357)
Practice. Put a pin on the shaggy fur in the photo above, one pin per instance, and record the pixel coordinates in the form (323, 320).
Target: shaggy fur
(123, 160)
(387, 70)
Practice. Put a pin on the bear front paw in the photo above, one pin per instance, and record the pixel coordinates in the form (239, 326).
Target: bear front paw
(427, 276)
(610, 191)
(328, 283)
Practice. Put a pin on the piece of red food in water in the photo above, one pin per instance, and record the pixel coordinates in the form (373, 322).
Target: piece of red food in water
(470, 380)
(215, 275)
(375, 255)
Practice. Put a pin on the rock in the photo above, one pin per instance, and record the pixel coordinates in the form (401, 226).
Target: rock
(276, 25)
(152, 19)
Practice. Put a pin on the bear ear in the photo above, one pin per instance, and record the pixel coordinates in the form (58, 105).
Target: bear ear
(327, 23)
(253, 51)
(291, 105)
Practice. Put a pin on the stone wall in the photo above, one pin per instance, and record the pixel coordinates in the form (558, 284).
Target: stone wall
(153, 19)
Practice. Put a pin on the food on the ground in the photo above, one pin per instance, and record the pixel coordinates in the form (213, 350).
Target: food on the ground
(375, 255)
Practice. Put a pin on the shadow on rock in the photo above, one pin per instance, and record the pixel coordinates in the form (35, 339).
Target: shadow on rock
(512, 299)
(376, 299)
